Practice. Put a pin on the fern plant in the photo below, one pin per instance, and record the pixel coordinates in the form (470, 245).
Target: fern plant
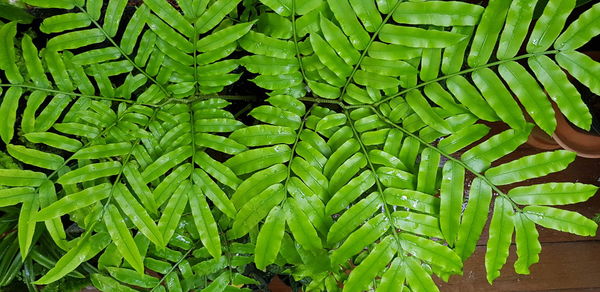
(349, 173)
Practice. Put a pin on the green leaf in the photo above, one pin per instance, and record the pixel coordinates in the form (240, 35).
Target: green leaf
(76, 39)
(304, 233)
(64, 4)
(75, 201)
(463, 138)
(264, 135)
(133, 278)
(261, 44)
(122, 238)
(416, 276)
(328, 56)
(417, 223)
(531, 166)
(214, 193)
(281, 7)
(500, 236)
(581, 31)
(431, 252)
(582, 67)
(172, 213)
(349, 192)
(498, 97)
(103, 151)
(516, 27)
(54, 140)
(13, 196)
(165, 162)
(258, 182)
(451, 195)
(439, 13)
(223, 37)
(85, 249)
(552, 194)
(26, 224)
(8, 110)
(562, 220)
(354, 217)
(481, 156)
(35, 157)
(21, 178)
(428, 171)
(7, 55)
(338, 41)
(561, 90)
(269, 238)
(137, 214)
(474, 218)
(468, 95)
(528, 245)
(371, 231)
(414, 200)
(346, 17)
(420, 105)
(486, 35)
(376, 261)
(256, 159)
(549, 25)
(205, 222)
(393, 278)
(257, 208)
(418, 37)
(90, 172)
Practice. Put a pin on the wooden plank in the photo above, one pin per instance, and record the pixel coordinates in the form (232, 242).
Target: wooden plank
(562, 266)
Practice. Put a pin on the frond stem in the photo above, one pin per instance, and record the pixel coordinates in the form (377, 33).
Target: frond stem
(364, 52)
(386, 209)
(112, 41)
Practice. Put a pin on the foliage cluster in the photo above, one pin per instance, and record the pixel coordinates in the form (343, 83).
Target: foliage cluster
(127, 159)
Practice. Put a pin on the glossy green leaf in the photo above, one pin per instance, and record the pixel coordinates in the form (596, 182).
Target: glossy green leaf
(349, 192)
(581, 67)
(214, 193)
(204, 221)
(417, 277)
(103, 151)
(530, 167)
(21, 178)
(256, 159)
(474, 218)
(552, 194)
(263, 135)
(451, 195)
(122, 238)
(549, 25)
(371, 231)
(26, 224)
(13, 196)
(581, 31)
(344, 14)
(137, 214)
(498, 97)
(428, 169)
(561, 90)
(530, 94)
(419, 104)
(487, 32)
(304, 232)
(255, 210)
(500, 236)
(414, 200)
(515, 29)
(471, 98)
(528, 245)
(392, 278)
(438, 13)
(373, 264)
(281, 7)
(431, 252)
(173, 211)
(417, 223)
(223, 37)
(8, 109)
(481, 156)
(353, 218)
(75, 201)
(269, 238)
(85, 249)
(418, 37)
(35, 157)
(339, 41)
(562, 220)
